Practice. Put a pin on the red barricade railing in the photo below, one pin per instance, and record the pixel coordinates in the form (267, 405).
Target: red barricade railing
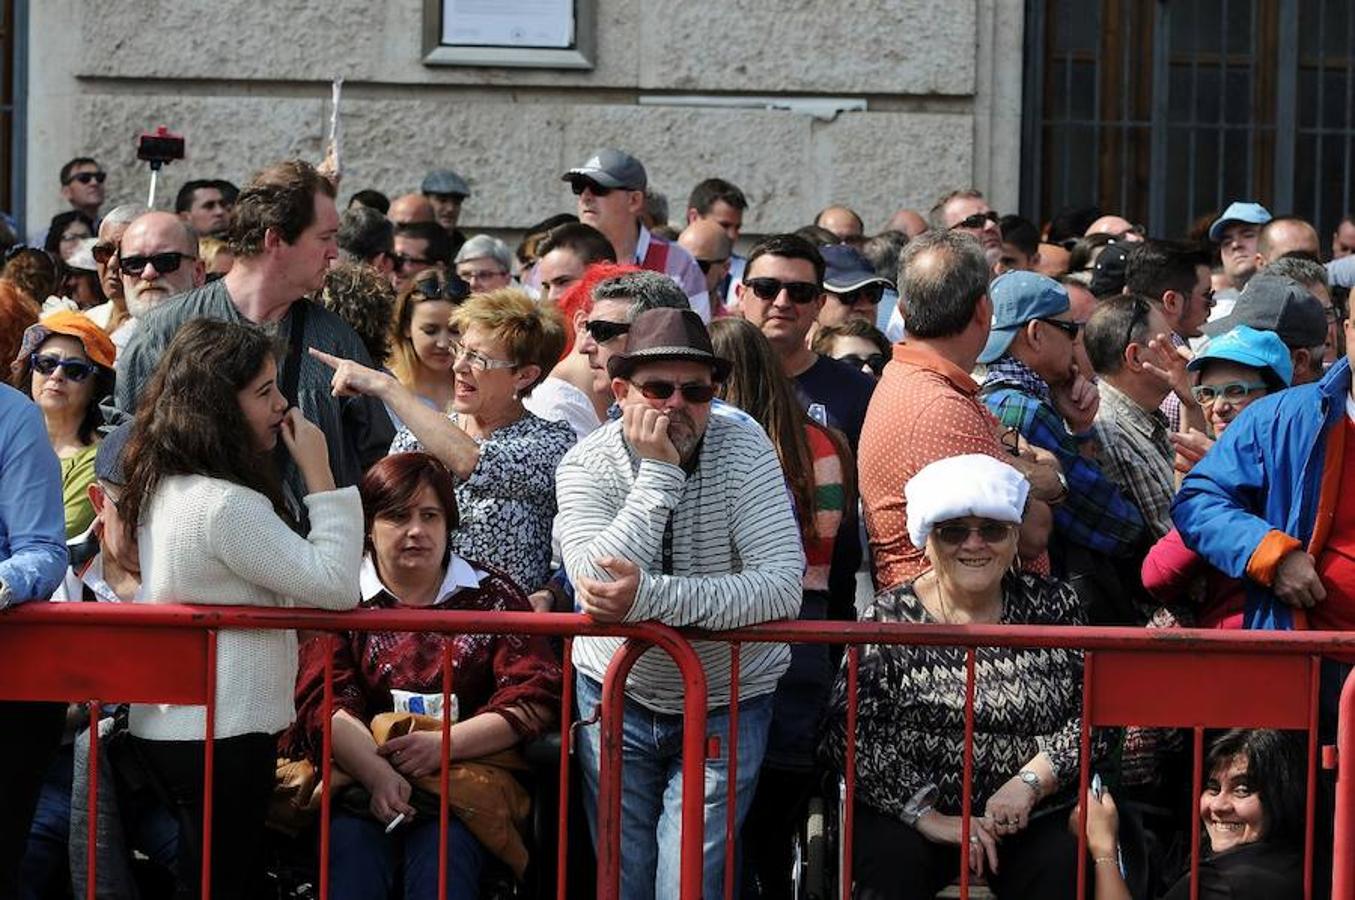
(1166, 678)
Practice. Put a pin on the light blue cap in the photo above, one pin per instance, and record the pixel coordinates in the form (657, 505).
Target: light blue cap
(1239, 211)
(1018, 298)
(1247, 346)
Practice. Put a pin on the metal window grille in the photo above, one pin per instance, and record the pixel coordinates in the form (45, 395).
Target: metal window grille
(1166, 111)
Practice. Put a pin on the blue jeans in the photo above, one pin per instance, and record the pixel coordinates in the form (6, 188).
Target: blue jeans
(364, 860)
(651, 790)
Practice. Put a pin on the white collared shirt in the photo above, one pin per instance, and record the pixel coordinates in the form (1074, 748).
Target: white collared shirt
(460, 574)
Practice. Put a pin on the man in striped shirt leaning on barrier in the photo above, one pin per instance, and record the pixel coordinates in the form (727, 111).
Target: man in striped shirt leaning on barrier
(675, 516)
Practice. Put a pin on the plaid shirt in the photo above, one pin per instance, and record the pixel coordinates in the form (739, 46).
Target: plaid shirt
(1137, 455)
(1096, 514)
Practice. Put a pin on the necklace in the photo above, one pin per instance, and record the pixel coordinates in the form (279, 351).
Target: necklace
(943, 612)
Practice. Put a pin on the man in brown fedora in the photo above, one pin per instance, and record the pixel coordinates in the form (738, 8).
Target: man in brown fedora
(670, 514)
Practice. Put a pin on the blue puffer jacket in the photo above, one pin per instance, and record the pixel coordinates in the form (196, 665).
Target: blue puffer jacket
(1264, 474)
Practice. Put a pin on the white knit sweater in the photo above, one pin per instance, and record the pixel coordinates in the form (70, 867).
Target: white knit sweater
(205, 540)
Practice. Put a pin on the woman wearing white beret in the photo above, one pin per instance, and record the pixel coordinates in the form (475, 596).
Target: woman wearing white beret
(966, 512)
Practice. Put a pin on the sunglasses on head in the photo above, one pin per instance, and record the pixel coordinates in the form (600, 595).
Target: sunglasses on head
(74, 369)
(771, 288)
(978, 220)
(705, 264)
(870, 293)
(454, 289)
(87, 177)
(662, 390)
(579, 185)
(875, 362)
(954, 534)
(164, 263)
(602, 331)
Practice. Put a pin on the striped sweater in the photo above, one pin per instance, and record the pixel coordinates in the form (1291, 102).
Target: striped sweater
(736, 554)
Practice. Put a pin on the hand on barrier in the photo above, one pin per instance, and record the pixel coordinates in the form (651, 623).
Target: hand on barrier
(1103, 824)
(609, 601)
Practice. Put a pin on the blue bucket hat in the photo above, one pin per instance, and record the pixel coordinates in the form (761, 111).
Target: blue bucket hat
(1247, 346)
(1018, 298)
(1239, 211)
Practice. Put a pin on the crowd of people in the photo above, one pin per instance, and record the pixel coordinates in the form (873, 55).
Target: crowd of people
(969, 418)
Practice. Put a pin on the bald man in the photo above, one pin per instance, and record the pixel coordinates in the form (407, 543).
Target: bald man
(159, 259)
(711, 247)
(408, 208)
(909, 221)
(844, 223)
(1115, 226)
(1285, 234)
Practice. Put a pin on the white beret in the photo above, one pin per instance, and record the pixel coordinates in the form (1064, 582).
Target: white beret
(971, 485)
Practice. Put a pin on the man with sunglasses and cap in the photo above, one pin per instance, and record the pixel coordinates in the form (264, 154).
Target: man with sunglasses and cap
(851, 286)
(673, 515)
(1033, 384)
(610, 188)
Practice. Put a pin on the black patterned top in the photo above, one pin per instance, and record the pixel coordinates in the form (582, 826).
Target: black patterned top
(507, 504)
(910, 722)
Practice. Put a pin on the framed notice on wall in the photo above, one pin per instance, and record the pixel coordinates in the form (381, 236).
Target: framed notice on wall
(547, 34)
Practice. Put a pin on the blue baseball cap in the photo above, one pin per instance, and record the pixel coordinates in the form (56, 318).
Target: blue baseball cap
(1247, 346)
(846, 269)
(1018, 298)
(108, 457)
(1239, 211)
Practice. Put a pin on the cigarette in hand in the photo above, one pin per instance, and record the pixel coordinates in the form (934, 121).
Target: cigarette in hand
(395, 823)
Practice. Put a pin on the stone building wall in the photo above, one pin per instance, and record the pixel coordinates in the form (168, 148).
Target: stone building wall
(248, 82)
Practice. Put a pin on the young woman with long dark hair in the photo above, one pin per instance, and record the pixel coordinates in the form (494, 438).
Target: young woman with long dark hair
(214, 528)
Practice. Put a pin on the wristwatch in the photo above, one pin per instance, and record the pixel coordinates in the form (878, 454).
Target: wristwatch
(1063, 490)
(919, 805)
(1032, 781)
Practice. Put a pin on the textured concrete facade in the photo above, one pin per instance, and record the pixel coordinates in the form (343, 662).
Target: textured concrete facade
(247, 83)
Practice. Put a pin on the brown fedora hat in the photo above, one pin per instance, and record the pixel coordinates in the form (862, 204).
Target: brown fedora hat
(667, 334)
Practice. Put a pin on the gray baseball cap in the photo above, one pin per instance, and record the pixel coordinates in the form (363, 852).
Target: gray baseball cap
(612, 169)
(1279, 304)
(444, 181)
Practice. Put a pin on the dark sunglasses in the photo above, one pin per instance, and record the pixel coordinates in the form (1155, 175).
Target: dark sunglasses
(871, 293)
(705, 264)
(87, 177)
(579, 185)
(103, 253)
(164, 263)
(978, 220)
(454, 289)
(1069, 328)
(875, 362)
(955, 534)
(662, 390)
(771, 288)
(602, 331)
(74, 369)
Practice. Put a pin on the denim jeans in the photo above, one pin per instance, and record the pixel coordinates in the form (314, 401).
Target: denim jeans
(364, 860)
(651, 789)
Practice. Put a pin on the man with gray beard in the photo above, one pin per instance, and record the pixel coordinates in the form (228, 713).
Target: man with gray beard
(158, 258)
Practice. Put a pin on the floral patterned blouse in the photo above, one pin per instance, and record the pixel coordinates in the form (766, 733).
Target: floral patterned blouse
(507, 504)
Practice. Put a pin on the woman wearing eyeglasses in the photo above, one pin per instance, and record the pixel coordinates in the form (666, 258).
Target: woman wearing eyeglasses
(1233, 371)
(65, 364)
(966, 512)
(502, 456)
(422, 336)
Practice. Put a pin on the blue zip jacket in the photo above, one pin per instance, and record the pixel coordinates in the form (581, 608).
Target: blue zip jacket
(1263, 474)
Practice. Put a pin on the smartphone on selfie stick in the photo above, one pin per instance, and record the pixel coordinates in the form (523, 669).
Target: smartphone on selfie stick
(158, 148)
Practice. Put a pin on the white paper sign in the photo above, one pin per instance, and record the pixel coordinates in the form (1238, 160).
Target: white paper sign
(508, 23)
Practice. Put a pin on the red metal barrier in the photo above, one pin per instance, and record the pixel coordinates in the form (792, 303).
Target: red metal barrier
(167, 654)
(1131, 676)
